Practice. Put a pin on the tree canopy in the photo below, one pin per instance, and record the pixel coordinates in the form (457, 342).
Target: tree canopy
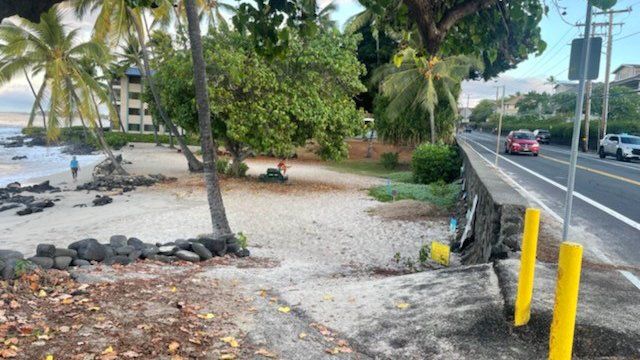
(535, 103)
(271, 105)
(482, 111)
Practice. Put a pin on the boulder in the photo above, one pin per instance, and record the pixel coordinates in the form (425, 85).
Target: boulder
(149, 250)
(46, 250)
(201, 250)
(183, 244)
(44, 262)
(117, 241)
(118, 259)
(136, 243)
(8, 273)
(66, 252)
(80, 262)
(62, 262)
(243, 253)
(135, 255)
(41, 204)
(93, 252)
(26, 211)
(187, 256)
(162, 258)
(167, 249)
(9, 207)
(124, 250)
(233, 248)
(109, 251)
(102, 200)
(216, 246)
(77, 245)
(10, 254)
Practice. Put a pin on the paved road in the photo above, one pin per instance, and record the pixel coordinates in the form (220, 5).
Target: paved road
(607, 202)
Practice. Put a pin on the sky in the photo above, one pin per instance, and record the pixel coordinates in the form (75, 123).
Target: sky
(557, 31)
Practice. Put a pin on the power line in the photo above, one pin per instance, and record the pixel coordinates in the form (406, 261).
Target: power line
(627, 36)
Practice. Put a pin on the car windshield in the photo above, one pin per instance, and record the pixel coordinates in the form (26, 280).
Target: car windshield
(523, 136)
(545, 132)
(630, 140)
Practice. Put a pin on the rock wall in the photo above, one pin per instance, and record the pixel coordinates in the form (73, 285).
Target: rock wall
(497, 223)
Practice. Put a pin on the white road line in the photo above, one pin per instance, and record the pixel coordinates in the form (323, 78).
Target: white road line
(593, 158)
(629, 276)
(589, 201)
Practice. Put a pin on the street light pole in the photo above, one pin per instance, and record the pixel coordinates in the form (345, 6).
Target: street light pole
(586, 48)
(499, 126)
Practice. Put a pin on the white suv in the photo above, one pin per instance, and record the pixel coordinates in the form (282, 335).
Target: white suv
(624, 147)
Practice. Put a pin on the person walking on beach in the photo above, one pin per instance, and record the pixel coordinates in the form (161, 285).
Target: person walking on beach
(74, 168)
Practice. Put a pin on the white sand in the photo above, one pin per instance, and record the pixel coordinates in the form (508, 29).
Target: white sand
(320, 217)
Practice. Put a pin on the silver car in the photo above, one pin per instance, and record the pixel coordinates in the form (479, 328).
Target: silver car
(623, 146)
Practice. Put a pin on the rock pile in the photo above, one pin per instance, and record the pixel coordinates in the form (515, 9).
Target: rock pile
(124, 182)
(10, 197)
(120, 250)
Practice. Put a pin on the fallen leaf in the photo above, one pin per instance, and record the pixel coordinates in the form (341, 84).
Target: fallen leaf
(8, 353)
(227, 357)
(266, 353)
(108, 350)
(327, 297)
(207, 316)
(131, 354)
(64, 329)
(94, 308)
(332, 351)
(284, 309)
(67, 301)
(42, 294)
(302, 336)
(230, 340)
(177, 357)
(14, 305)
(402, 306)
(49, 357)
(174, 346)
(195, 341)
(11, 341)
(174, 289)
(263, 293)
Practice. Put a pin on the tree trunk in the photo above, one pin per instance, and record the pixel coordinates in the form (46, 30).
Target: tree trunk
(216, 205)
(194, 163)
(370, 145)
(103, 143)
(115, 106)
(432, 126)
(37, 100)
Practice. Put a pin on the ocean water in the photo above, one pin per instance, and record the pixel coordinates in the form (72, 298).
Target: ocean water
(41, 161)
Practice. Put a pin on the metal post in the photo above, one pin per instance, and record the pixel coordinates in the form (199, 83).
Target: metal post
(605, 104)
(568, 204)
(587, 116)
(499, 126)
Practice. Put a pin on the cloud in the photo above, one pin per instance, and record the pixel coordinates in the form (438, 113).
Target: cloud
(480, 89)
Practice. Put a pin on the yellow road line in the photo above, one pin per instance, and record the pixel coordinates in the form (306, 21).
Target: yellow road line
(599, 172)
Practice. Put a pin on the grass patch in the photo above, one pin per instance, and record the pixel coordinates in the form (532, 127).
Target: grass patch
(368, 168)
(443, 195)
(401, 177)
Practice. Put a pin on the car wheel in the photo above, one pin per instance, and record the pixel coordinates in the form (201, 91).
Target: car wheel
(601, 153)
(506, 149)
(619, 155)
(535, 154)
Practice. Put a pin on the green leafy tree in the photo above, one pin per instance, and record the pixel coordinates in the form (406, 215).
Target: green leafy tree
(624, 103)
(413, 80)
(482, 111)
(534, 103)
(564, 103)
(48, 48)
(271, 105)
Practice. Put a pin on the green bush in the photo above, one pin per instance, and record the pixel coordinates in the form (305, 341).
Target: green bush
(445, 198)
(389, 160)
(435, 162)
(222, 165)
(238, 171)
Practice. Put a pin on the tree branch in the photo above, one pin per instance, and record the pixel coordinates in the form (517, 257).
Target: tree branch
(453, 15)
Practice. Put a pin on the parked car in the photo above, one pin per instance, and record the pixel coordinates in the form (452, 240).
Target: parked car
(542, 136)
(521, 142)
(468, 129)
(623, 146)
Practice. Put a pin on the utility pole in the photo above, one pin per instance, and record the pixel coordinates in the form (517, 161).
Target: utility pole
(568, 204)
(499, 125)
(602, 131)
(587, 116)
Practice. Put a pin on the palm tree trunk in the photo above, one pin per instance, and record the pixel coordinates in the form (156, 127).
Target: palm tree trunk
(103, 143)
(194, 163)
(216, 205)
(432, 125)
(115, 106)
(37, 99)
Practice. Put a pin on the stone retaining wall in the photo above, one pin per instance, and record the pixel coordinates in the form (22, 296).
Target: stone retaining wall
(496, 227)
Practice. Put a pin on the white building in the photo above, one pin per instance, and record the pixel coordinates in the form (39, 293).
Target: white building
(562, 87)
(627, 75)
(134, 113)
(511, 105)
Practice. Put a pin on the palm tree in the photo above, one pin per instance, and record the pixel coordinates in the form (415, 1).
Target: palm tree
(322, 16)
(374, 19)
(413, 80)
(218, 215)
(115, 20)
(49, 49)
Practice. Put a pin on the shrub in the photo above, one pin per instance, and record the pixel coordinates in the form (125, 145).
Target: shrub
(420, 192)
(242, 240)
(435, 162)
(239, 170)
(222, 165)
(389, 160)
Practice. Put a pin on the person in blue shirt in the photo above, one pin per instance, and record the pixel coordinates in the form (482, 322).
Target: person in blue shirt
(74, 168)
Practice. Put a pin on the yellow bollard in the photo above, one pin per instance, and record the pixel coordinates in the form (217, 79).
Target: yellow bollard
(527, 267)
(564, 310)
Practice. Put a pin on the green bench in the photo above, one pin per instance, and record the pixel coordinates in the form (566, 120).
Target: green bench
(273, 175)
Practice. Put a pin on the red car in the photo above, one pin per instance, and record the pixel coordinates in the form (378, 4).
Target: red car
(521, 142)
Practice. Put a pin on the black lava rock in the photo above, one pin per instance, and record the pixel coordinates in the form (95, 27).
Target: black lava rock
(46, 250)
(117, 241)
(93, 252)
(201, 250)
(44, 262)
(62, 262)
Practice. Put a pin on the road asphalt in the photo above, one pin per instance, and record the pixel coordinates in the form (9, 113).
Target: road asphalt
(606, 207)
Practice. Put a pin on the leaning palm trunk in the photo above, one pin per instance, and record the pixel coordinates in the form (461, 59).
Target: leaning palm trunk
(103, 143)
(115, 106)
(37, 97)
(216, 205)
(432, 126)
(194, 163)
